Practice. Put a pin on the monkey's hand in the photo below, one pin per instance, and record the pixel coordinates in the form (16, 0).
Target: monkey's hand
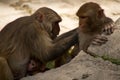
(99, 40)
(108, 28)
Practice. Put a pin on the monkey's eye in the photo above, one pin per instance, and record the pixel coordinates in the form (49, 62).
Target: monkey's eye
(56, 22)
(100, 13)
(83, 17)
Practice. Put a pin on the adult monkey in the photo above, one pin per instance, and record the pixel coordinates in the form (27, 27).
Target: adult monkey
(92, 20)
(89, 21)
(29, 37)
(35, 65)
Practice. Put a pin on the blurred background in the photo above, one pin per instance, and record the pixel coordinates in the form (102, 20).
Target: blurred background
(13, 9)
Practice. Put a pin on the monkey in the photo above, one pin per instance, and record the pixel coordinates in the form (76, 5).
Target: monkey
(30, 36)
(92, 20)
(87, 20)
(35, 66)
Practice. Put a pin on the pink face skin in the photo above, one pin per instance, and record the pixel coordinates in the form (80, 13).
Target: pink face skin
(32, 65)
(35, 67)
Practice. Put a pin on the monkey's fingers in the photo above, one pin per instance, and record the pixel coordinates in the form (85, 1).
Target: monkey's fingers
(99, 41)
(109, 29)
(95, 43)
(103, 38)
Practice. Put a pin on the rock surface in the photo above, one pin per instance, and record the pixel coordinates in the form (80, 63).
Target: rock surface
(112, 48)
(86, 67)
(82, 67)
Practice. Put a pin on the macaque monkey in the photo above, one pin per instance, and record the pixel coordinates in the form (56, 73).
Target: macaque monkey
(92, 21)
(34, 37)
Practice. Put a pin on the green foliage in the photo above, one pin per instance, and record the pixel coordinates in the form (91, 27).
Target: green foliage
(50, 65)
(115, 61)
(65, 58)
(106, 57)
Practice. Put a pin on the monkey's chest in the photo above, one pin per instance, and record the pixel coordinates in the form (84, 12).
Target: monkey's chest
(85, 40)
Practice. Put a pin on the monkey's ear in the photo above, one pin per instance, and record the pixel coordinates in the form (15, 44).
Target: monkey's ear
(39, 17)
(100, 13)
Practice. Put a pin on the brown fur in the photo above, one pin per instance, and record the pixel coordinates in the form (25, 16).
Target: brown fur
(92, 20)
(30, 36)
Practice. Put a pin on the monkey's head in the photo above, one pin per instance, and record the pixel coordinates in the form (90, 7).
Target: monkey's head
(49, 20)
(91, 17)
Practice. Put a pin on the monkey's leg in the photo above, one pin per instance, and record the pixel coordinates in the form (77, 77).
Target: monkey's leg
(6, 73)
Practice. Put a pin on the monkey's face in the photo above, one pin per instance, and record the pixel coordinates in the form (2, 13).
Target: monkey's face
(51, 24)
(91, 17)
(83, 21)
(49, 21)
(55, 29)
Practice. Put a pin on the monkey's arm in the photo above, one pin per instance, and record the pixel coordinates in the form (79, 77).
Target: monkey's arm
(64, 35)
(108, 29)
(63, 43)
(42, 47)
